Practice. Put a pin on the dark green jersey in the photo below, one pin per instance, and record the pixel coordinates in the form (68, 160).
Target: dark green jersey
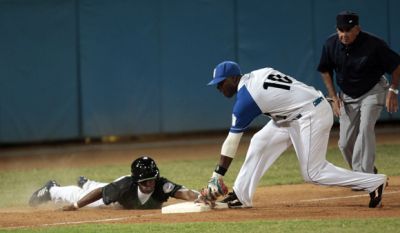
(125, 192)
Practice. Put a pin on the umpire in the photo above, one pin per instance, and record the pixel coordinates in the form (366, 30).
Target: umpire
(359, 60)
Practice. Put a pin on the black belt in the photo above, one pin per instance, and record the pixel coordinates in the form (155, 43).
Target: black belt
(315, 103)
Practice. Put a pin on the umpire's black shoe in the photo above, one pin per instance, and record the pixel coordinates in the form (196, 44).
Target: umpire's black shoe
(376, 196)
(81, 181)
(233, 201)
(375, 170)
(42, 195)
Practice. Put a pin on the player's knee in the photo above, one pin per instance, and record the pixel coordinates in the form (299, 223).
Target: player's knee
(367, 130)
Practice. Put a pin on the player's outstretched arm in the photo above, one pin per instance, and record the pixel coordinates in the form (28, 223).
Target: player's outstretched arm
(204, 196)
(186, 194)
(91, 197)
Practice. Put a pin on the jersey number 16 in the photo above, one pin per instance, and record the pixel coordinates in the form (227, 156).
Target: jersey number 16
(278, 78)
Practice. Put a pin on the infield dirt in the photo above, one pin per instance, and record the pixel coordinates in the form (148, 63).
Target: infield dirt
(303, 201)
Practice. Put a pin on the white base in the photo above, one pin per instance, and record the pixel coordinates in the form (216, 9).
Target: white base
(190, 207)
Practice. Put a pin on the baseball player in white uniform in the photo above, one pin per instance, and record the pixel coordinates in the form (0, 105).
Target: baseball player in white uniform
(301, 117)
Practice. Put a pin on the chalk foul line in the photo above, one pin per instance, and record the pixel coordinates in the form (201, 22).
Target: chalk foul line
(346, 197)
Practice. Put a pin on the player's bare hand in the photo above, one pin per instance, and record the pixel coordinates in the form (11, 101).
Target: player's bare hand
(206, 197)
(392, 103)
(69, 208)
(336, 102)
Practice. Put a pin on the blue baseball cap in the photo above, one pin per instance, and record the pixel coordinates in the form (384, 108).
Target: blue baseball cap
(223, 70)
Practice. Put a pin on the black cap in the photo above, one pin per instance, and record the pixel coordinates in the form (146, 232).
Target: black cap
(345, 20)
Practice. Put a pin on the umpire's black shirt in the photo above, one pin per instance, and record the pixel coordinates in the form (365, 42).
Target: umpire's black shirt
(360, 65)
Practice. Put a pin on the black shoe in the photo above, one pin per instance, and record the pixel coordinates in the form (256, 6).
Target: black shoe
(376, 196)
(81, 181)
(233, 201)
(42, 195)
(231, 196)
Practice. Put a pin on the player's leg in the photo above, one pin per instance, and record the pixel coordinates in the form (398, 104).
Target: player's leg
(310, 136)
(92, 184)
(66, 194)
(265, 147)
(349, 121)
(365, 146)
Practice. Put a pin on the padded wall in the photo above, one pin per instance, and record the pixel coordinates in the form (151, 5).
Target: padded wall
(38, 80)
(71, 69)
(120, 67)
(194, 36)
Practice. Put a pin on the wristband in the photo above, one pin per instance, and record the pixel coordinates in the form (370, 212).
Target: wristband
(395, 91)
(220, 170)
(76, 205)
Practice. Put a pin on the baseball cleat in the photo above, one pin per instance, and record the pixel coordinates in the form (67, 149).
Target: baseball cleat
(231, 196)
(233, 202)
(376, 196)
(42, 195)
(81, 181)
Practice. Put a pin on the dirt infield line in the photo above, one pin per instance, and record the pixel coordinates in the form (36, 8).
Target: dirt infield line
(79, 222)
(126, 218)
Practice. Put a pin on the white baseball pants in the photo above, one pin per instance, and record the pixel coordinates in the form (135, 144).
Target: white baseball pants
(309, 136)
(71, 194)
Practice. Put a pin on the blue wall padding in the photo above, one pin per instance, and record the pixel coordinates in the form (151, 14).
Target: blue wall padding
(71, 69)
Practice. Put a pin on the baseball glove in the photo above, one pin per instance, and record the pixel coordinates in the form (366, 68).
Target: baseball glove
(216, 187)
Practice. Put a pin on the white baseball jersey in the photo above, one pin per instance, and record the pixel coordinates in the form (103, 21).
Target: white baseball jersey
(268, 91)
(308, 120)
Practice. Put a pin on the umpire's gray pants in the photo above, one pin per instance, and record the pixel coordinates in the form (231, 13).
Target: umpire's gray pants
(357, 127)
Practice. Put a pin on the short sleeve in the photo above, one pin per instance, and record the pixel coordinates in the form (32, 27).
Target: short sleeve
(390, 59)
(325, 63)
(244, 111)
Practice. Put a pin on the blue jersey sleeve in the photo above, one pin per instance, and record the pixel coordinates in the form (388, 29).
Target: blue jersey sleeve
(244, 111)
